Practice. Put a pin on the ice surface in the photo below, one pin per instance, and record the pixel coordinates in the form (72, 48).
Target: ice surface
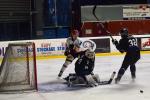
(51, 89)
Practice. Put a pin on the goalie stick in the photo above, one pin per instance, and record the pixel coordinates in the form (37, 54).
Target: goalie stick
(109, 81)
(101, 23)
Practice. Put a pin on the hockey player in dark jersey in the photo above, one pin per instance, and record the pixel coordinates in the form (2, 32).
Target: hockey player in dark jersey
(85, 64)
(72, 44)
(84, 68)
(129, 45)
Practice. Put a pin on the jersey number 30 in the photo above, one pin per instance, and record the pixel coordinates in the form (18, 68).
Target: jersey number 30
(132, 42)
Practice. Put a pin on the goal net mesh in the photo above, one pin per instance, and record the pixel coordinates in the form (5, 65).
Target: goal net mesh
(18, 68)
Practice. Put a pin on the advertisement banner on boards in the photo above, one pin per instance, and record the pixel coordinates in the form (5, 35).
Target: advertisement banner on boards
(145, 43)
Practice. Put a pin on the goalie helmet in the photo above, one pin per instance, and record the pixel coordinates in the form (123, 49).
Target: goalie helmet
(90, 54)
(75, 32)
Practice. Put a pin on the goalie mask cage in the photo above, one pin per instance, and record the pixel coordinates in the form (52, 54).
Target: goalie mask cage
(18, 68)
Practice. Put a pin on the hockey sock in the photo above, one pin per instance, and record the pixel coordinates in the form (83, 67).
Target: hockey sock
(62, 70)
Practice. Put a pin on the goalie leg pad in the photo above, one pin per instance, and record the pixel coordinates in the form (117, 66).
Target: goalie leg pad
(73, 79)
(96, 78)
(79, 80)
(76, 79)
(90, 81)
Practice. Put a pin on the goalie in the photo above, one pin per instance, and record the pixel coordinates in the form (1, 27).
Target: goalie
(84, 67)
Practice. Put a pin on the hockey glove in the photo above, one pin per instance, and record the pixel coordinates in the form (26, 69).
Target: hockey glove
(115, 42)
(67, 52)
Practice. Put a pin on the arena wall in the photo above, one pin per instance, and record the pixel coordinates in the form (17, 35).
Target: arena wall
(49, 48)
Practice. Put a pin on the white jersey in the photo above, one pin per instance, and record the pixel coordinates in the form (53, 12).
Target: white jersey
(70, 42)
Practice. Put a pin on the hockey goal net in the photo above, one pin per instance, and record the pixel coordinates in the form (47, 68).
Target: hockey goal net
(18, 68)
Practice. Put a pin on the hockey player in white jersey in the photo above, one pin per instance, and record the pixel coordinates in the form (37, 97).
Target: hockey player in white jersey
(72, 44)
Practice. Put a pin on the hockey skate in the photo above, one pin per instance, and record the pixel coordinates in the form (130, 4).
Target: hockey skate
(60, 74)
(133, 76)
(117, 80)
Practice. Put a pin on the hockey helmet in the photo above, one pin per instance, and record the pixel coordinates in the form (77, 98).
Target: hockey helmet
(124, 32)
(75, 32)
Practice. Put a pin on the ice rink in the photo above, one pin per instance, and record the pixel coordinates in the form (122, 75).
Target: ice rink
(51, 89)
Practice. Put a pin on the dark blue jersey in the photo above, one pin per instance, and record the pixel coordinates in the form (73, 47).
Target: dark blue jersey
(84, 65)
(128, 44)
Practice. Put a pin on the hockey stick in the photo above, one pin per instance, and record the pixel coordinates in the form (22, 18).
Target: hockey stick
(109, 81)
(94, 14)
